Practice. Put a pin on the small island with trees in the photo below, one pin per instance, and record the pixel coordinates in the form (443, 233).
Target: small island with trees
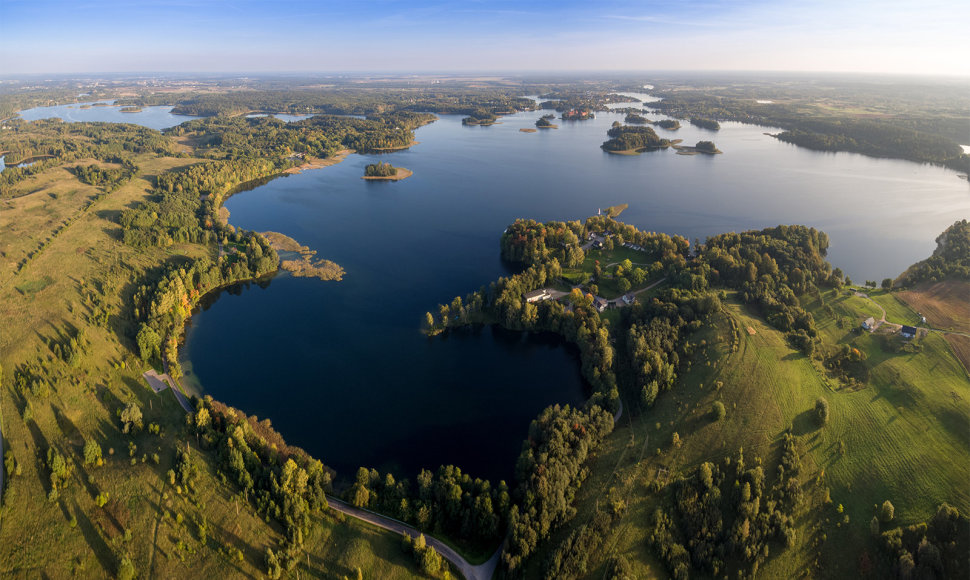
(481, 118)
(633, 140)
(709, 124)
(705, 147)
(545, 122)
(385, 172)
(132, 109)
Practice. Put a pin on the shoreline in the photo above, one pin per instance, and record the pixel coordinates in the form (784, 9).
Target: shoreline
(400, 148)
(318, 163)
(402, 173)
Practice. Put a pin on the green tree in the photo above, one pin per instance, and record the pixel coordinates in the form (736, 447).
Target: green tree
(887, 511)
(822, 410)
(126, 570)
(92, 453)
(624, 285)
(148, 342)
(887, 284)
(131, 418)
(718, 411)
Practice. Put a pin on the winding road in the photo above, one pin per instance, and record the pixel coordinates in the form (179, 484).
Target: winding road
(480, 572)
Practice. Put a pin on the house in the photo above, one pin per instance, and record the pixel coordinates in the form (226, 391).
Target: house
(537, 295)
(629, 299)
(869, 324)
(600, 304)
(592, 236)
(907, 331)
(598, 245)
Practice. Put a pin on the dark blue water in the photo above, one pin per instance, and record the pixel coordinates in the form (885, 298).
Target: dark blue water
(341, 368)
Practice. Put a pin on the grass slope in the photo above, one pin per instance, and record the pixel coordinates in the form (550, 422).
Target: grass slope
(904, 435)
(145, 516)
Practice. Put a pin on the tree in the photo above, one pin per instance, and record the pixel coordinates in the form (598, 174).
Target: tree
(874, 525)
(718, 411)
(148, 342)
(92, 453)
(131, 418)
(887, 511)
(887, 284)
(126, 570)
(675, 440)
(623, 285)
(273, 568)
(822, 411)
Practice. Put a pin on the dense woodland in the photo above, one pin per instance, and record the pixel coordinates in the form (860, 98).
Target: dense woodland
(951, 259)
(447, 502)
(380, 170)
(282, 482)
(708, 124)
(319, 136)
(627, 138)
(728, 517)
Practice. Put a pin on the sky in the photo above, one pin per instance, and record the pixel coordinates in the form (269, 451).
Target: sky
(427, 36)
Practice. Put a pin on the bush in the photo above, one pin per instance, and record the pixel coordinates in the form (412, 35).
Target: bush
(718, 411)
(822, 411)
(887, 511)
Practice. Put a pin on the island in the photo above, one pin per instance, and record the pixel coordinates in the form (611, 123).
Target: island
(544, 122)
(480, 118)
(578, 115)
(636, 119)
(708, 124)
(705, 147)
(633, 140)
(131, 109)
(385, 172)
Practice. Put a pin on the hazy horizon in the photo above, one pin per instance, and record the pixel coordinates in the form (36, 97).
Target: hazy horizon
(428, 37)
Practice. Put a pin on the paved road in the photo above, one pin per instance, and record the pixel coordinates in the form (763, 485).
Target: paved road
(480, 572)
(161, 382)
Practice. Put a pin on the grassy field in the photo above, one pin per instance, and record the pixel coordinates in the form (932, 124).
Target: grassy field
(945, 305)
(904, 438)
(84, 270)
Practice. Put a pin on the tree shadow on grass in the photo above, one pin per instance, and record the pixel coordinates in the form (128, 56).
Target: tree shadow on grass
(805, 422)
(100, 548)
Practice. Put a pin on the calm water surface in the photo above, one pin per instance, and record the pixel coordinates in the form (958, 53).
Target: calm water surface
(341, 368)
(153, 117)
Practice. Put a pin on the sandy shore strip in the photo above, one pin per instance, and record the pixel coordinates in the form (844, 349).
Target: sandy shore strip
(315, 163)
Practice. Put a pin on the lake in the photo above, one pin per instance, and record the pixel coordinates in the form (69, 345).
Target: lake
(341, 367)
(158, 118)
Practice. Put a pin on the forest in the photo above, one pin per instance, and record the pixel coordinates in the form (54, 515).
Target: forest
(951, 259)
(319, 136)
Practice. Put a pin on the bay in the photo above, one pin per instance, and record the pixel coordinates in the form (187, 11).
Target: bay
(341, 368)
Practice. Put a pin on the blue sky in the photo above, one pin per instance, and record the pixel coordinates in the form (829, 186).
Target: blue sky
(48, 36)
